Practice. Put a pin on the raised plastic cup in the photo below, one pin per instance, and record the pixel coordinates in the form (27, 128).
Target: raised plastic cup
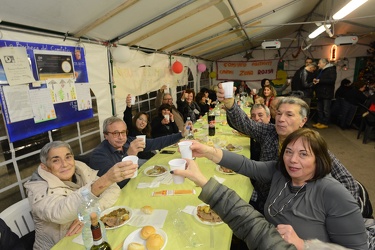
(166, 117)
(143, 137)
(132, 102)
(228, 89)
(134, 159)
(177, 164)
(166, 91)
(185, 150)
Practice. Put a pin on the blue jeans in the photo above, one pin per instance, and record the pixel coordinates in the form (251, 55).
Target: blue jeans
(324, 111)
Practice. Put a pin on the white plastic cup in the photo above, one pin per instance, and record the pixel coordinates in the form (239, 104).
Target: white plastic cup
(166, 117)
(228, 89)
(134, 159)
(132, 102)
(185, 150)
(255, 91)
(177, 164)
(166, 91)
(289, 81)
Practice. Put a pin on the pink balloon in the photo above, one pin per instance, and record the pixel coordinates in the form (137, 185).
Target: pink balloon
(201, 67)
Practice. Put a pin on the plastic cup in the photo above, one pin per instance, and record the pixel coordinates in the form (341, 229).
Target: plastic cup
(185, 150)
(228, 89)
(132, 102)
(177, 164)
(255, 91)
(166, 117)
(134, 159)
(167, 89)
(143, 137)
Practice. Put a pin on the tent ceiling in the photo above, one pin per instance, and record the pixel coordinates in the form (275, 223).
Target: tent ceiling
(208, 29)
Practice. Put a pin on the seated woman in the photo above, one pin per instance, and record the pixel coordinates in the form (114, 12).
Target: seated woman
(202, 103)
(188, 107)
(269, 93)
(304, 202)
(164, 123)
(54, 192)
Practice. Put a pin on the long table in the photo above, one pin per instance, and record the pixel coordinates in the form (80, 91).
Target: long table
(214, 237)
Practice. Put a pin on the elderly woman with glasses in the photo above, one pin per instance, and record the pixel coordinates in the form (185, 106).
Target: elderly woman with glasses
(304, 202)
(54, 191)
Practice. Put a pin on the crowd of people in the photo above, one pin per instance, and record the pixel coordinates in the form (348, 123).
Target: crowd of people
(303, 197)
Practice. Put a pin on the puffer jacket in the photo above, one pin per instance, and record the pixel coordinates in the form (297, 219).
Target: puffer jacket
(325, 89)
(55, 205)
(247, 223)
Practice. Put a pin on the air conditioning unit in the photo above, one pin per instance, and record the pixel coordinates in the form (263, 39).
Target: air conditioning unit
(346, 40)
(271, 45)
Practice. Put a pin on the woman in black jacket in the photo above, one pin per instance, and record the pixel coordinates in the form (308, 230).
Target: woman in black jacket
(164, 123)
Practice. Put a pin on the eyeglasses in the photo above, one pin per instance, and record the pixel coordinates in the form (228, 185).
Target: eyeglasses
(168, 99)
(117, 134)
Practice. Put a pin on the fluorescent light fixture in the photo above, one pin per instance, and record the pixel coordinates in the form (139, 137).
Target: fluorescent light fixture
(348, 8)
(319, 31)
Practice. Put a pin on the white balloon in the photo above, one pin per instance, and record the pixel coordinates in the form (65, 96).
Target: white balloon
(120, 53)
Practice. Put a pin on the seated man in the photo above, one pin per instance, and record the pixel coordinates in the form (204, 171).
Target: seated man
(117, 145)
(54, 192)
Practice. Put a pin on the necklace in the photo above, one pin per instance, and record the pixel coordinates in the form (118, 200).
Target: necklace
(282, 208)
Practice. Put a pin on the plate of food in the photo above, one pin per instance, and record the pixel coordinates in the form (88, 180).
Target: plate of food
(224, 170)
(205, 215)
(115, 217)
(147, 237)
(154, 171)
(233, 148)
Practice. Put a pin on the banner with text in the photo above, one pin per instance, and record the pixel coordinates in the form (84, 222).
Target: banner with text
(246, 71)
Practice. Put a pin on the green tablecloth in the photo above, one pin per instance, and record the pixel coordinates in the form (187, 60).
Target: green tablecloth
(134, 197)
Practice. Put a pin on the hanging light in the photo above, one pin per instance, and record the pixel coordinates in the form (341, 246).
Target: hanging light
(348, 8)
(333, 53)
(319, 30)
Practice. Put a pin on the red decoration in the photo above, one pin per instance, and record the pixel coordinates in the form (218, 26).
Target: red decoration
(177, 67)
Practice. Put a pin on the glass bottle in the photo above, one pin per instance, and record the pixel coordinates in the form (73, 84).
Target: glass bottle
(211, 123)
(89, 204)
(98, 242)
(190, 136)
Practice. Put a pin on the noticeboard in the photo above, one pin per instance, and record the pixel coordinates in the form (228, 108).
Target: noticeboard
(61, 97)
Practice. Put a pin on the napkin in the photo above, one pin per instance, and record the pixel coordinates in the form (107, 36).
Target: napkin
(219, 179)
(164, 179)
(140, 219)
(78, 239)
(148, 185)
(188, 209)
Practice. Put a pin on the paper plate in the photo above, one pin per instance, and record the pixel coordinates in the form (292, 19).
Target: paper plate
(135, 236)
(108, 210)
(195, 214)
(218, 169)
(155, 175)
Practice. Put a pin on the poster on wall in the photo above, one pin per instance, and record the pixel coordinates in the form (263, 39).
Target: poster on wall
(52, 101)
(246, 70)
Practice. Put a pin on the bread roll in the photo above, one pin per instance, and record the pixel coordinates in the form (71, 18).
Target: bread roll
(154, 242)
(147, 209)
(136, 246)
(147, 231)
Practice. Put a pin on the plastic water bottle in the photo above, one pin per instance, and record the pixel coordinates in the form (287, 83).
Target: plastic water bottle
(190, 136)
(89, 204)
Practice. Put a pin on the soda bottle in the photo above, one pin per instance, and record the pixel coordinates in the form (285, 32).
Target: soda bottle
(90, 204)
(98, 242)
(211, 123)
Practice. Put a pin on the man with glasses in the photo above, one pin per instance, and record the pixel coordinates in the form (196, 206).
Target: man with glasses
(166, 98)
(116, 145)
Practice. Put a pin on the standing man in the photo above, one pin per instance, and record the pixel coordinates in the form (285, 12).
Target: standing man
(166, 98)
(303, 81)
(325, 90)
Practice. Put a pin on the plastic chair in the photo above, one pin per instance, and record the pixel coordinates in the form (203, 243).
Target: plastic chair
(18, 217)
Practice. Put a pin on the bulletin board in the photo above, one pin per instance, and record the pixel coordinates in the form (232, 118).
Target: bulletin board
(59, 96)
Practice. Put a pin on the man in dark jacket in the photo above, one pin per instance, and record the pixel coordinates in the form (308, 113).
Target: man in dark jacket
(303, 81)
(324, 89)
